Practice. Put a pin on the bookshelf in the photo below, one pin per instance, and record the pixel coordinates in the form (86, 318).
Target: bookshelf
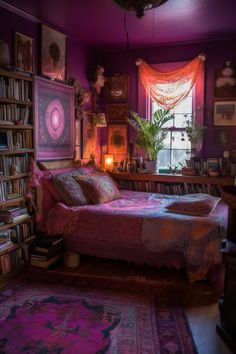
(171, 183)
(16, 147)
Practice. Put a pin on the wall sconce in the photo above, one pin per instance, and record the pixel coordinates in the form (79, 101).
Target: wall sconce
(107, 162)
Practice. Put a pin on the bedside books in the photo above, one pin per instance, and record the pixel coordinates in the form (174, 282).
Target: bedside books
(46, 251)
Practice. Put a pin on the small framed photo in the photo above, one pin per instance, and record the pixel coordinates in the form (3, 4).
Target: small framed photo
(117, 139)
(117, 88)
(224, 113)
(23, 52)
(53, 53)
(212, 163)
(221, 137)
(117, 112)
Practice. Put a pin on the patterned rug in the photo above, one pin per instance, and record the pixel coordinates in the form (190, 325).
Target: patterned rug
(48, 318)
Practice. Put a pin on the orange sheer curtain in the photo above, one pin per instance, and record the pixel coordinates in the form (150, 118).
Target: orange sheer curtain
(170, 88)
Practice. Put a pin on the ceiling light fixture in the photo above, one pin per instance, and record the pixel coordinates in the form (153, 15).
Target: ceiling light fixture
(140, 6)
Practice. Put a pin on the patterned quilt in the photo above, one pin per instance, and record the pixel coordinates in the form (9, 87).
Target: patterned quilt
(139, 228)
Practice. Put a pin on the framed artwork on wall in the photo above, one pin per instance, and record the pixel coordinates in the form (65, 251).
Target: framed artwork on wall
(117, 139)
(224, 113)
(117, 112)
(53, 53)
(89, 135)
(54, 120)
(221, 137)
(23, 58)
(117, 88)
(225, 81)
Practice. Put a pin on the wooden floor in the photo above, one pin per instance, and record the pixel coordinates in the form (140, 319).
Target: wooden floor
(199, 298)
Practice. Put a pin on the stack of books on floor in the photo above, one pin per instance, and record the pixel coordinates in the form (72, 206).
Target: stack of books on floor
(13, 214)
(46, 251)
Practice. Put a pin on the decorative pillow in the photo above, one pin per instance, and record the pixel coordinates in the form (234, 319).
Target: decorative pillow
(98, 188)
(69, 190)
(194, 204)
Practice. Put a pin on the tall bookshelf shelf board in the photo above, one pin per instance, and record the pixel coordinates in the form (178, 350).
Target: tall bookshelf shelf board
(16, 147)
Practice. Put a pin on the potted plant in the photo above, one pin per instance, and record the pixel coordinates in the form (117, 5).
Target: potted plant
(151, 135)
(195, 132)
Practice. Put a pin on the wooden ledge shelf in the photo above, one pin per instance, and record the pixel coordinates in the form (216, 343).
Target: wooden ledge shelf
(169, 178)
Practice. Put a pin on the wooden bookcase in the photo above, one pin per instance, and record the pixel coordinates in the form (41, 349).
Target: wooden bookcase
(16, 147)
(171, 184)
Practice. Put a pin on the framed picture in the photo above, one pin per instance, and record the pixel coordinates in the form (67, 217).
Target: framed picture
(54, 120)
(53, 53)
(212, 163)
(117, 88)
(224, 113)
(117, 139)
(23, 52)
(225, 81)
(117, 112)
(221, 137)
(89, 135)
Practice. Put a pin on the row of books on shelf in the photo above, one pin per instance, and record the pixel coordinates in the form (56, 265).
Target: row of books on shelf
(46, 251)
(15, 140)
(11, 163)
(10, 113)
(11, 260)
(172, 188)
(11, 189)
(14, 88)
(10, 215)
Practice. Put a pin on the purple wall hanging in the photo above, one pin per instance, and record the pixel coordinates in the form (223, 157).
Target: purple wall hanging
(54, 120)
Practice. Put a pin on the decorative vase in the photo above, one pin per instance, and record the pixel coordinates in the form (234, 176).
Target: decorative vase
(151, 166)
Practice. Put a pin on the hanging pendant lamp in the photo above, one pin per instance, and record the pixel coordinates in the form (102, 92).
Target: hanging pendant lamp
(140, 6)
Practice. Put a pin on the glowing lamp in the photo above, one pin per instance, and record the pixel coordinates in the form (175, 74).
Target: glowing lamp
(108, 162)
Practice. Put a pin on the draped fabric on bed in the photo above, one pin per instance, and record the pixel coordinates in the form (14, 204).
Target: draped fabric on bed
(137, 227)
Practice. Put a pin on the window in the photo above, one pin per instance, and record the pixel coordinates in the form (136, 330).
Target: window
(177, 147)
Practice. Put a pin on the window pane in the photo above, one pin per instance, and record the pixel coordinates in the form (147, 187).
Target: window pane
(164, 158)
(167, 141)
(178, 143)
(184, 106)
(178, 157)
(180, 119)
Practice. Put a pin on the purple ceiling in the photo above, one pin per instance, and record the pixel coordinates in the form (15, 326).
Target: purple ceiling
(103, 24)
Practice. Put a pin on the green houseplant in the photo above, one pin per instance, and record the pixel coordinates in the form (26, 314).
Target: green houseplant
(151, 135)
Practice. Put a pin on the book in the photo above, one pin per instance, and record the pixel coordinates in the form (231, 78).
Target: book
(49, 249)
(48, 241)
(45, 263)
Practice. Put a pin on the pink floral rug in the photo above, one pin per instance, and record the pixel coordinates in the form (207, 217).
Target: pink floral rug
(49, 318)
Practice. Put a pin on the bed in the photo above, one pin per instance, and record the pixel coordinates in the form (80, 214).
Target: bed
(136, 227)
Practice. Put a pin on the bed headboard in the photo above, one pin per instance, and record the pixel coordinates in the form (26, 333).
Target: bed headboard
(50, 165)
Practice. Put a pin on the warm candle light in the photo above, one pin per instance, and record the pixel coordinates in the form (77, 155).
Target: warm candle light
(108, 162)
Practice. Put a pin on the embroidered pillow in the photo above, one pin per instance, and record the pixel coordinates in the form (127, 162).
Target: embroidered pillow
(98, 188)
(194, 204)
(70, 191)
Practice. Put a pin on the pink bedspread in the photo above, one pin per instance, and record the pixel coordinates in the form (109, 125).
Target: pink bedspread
(138, 228)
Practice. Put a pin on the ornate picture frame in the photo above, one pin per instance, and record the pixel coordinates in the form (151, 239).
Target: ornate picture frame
(53, 53)
(54, 120)
(117, 137)
(24, 52)
(117, 112)
(89, 135)
(224, 113)
(117, 88)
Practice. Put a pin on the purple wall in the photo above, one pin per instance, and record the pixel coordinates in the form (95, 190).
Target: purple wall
(218, 52)
(76, 54)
